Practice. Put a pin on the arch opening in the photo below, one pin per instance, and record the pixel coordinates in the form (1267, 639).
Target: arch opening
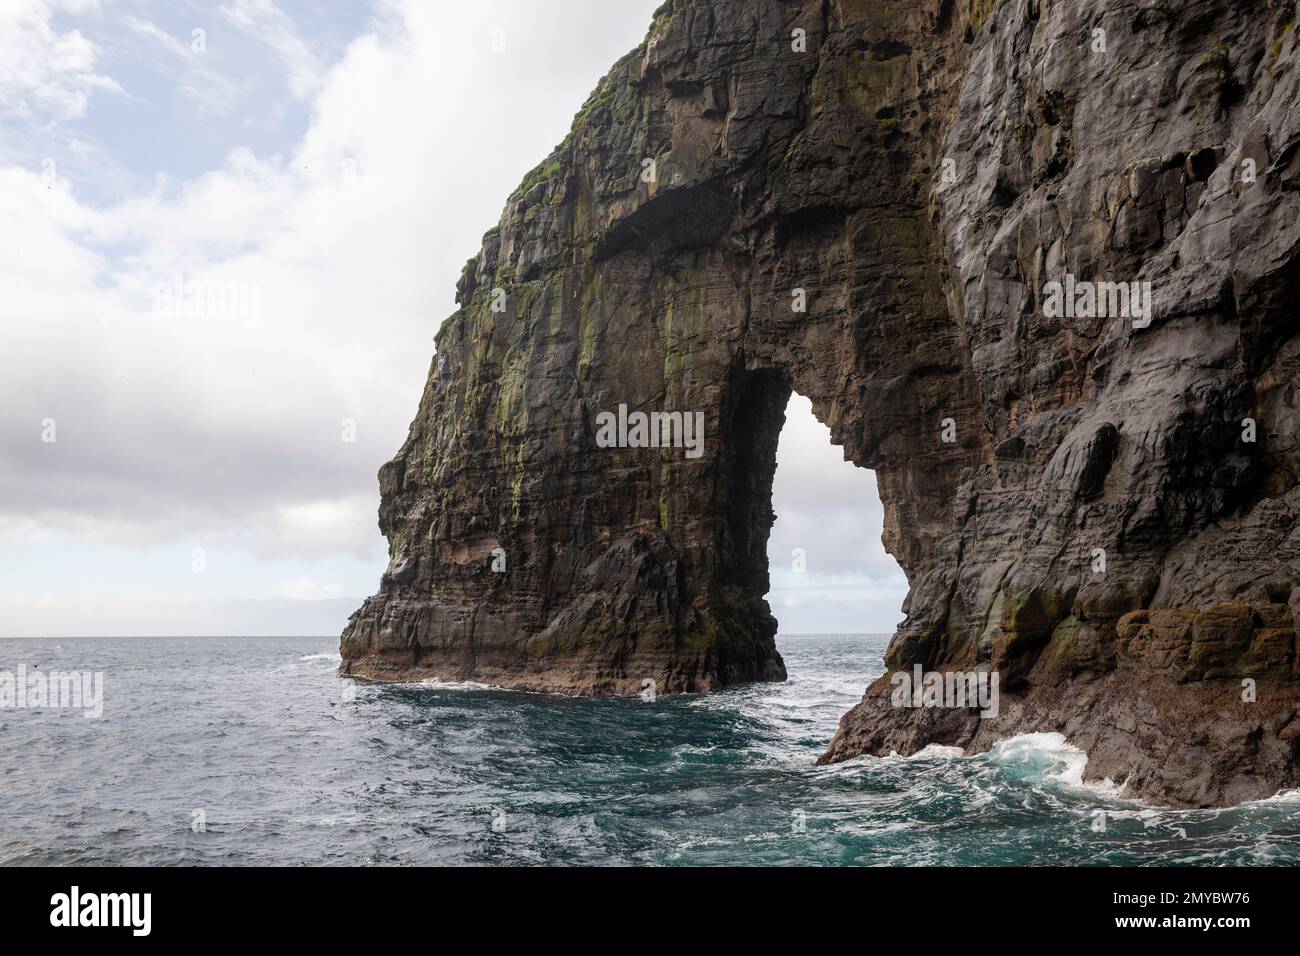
(828, 571)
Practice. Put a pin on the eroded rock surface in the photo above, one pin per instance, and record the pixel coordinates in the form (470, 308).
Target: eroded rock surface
(1112, 527)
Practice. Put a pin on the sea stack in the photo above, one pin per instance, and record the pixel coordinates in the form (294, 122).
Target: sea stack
(868, 202)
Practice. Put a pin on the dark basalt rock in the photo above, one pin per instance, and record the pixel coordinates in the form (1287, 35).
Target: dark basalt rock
(918, 174)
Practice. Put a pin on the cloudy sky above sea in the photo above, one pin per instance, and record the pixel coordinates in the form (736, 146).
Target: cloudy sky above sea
(344, 160)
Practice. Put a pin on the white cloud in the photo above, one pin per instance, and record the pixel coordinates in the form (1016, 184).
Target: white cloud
(826, 508)
(267, 22)
(338, 526)
(147, 28)
(44, 71)
(192, 74)
(227, 432)
(828, 511)
(209, 424)
(78, 614)
(308, 589)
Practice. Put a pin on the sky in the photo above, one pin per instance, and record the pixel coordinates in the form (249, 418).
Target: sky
(321, 172)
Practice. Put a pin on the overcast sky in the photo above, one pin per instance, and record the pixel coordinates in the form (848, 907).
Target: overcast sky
(335, 165)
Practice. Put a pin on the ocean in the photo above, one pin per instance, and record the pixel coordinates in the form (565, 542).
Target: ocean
(238, 751)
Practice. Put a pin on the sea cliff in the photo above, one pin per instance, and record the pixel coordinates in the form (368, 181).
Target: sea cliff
(1035, 263)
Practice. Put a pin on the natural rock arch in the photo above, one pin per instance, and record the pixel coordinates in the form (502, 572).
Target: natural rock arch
(920, 170)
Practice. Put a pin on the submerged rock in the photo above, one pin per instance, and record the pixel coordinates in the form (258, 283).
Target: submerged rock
(1036, 263)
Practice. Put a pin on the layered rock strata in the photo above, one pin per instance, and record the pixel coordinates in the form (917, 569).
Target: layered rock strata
(882, 204)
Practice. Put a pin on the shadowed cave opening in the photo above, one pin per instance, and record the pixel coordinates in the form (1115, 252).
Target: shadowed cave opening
(828, 570)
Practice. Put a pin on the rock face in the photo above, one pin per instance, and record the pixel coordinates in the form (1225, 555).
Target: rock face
(869, 201)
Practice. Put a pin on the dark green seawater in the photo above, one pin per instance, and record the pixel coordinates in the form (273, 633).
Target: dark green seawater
(261, 737)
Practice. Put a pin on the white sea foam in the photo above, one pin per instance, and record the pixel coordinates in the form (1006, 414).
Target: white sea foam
(438, 684)
(1282, 796)
(1072, 762)
(937, 752)
(1068, 760)
(334, 657)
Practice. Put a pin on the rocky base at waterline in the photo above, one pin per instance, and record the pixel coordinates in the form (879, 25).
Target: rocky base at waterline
(880, 204)
(578, 670)
(1183, 708)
